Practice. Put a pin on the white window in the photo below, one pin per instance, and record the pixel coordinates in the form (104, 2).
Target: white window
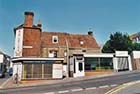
(54, 39)
(81, 42)
(52, 53)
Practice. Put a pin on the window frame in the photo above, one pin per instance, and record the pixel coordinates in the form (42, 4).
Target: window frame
(53, 39)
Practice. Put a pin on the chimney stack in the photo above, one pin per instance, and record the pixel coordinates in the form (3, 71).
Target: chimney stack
(28, 22)
(90, 32)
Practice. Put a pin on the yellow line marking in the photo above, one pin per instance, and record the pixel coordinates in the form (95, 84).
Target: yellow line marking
(123, 86)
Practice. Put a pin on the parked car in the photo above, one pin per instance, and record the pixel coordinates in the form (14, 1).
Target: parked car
(2, 74)
(10, 71)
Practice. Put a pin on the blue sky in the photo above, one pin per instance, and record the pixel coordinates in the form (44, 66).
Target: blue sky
(72, 16)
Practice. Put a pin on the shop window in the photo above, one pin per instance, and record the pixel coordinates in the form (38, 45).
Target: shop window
(47, 70)
(98, 64)
(80, 66)
(37, 71)
(54, 39)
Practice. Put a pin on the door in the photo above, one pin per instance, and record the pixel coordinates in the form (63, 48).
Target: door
(79, 69)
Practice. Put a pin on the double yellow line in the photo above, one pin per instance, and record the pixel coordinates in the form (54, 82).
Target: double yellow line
(123, 86)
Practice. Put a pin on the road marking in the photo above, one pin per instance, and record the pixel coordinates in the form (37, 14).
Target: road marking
(103, 86)
(123, 86)
(113, 85)
(80, 89)
(50, 93)
(65, 91)
(90, 88)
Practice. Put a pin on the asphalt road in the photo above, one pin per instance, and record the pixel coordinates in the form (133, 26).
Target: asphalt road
(2, 80)
(101, 85)
(130, 89)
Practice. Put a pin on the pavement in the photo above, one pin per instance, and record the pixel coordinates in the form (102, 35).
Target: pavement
(9, 83)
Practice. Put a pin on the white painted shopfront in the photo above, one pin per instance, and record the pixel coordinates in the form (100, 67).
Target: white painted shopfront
(81, 64)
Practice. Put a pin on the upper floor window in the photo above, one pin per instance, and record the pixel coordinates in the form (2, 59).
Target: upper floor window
(81, 42)
(54, 39)
(52, 53)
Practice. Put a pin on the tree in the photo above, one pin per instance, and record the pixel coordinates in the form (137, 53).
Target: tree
(135, 46)
(117, 42)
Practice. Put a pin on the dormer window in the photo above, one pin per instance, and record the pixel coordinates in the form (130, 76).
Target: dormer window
(54, 39)
(81, 42)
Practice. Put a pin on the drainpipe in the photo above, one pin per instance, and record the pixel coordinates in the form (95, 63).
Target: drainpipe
(67, 58)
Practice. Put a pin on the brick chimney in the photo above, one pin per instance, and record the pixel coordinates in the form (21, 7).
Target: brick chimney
(28, 22)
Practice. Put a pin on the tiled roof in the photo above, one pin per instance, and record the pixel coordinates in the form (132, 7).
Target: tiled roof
(70, 40)
(22, 25)
(134, 35)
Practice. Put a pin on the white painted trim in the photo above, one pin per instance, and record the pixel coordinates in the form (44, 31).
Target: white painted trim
(121, 53)
(55, 59)
(99, 55)
(27, 46)
(130, 63)
(1, 58)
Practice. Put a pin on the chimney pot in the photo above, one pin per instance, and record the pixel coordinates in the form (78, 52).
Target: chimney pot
(90, 32)
(39, 24)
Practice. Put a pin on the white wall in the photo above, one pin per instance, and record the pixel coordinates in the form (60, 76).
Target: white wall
(17, 68)
(136, 54)
(18, 43)
(130, 63)
(57, 70)
(65, 70)
(1, 58)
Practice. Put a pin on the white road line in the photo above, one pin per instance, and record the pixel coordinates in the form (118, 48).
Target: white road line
(50, 93)
(113, 85)
(90, 88)
(103, 86)
(77, 89)
(65, 91)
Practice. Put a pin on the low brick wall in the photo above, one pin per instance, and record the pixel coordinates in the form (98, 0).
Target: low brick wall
(91, 73)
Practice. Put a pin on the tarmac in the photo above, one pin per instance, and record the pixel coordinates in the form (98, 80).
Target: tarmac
(10, 82)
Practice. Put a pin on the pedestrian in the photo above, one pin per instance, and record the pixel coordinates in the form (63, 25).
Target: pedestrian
(16, 78)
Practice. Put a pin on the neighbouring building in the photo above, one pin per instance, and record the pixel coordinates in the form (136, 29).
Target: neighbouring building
(136, 60)
(99, 63)
(135, 37)
(4, 62)
(45, 55)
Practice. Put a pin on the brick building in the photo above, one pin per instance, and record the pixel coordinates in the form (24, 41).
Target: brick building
(34, 47)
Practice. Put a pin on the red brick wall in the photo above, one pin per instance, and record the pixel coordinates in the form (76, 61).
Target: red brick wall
(32, 37)
(28, 22)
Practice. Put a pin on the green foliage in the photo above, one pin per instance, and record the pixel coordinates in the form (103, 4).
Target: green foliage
(118, 42)
(135, 47)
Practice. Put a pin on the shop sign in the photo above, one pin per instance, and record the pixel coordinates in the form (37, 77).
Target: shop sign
(121, 53)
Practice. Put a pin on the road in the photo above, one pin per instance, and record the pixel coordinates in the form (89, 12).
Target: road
(129, 88)
(90, 86)
(2, 80)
